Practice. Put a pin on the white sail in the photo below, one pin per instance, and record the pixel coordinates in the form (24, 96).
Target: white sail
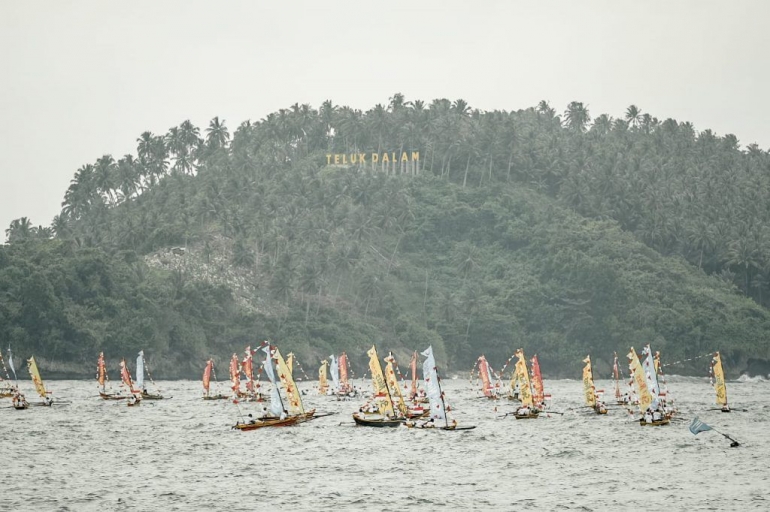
(276, 406)
(651, 376)
(140, 371)
(432, 388)
(10, 363)
(335, 368)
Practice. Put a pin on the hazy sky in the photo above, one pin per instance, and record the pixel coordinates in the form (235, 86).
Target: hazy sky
(79, 79)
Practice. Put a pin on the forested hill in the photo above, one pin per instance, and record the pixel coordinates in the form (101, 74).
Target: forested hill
(476, 232)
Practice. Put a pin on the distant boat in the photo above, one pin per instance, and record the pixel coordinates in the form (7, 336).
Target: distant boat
(7, 389)
(140, 370)
(485, 374)
(380, 410)
(207, 373)
(125, 376)
(528, 408)
(323, 382)
(592, 397)
(719, 382)
(647, 389)
(102, 379)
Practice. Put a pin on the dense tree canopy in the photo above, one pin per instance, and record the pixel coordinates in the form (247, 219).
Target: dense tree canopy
(562, 234)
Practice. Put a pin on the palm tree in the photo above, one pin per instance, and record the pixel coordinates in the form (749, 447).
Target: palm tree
(633, 115)
(19, 230)
(576, 117)
(217, 135)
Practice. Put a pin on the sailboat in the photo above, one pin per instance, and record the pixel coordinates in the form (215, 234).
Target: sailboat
(207, 373)
(718, 380)
(379, 411)
(539, 396)
(141, 365)
(527, 410)
(593, 398)
(345, 388)
(38, 381)
(102, 379)
(620, 398)
(7, 389)
(485, 374)
(438, 408)
(281, 414)
(416, 395)
(415, 410)
(19, 401)
(323, 383)
(135, 397)
(646, 389)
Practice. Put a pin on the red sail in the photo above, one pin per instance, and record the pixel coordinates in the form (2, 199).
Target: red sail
(235, 377)
(207, 375)
(126, 377)
(537, 383)
(101, 371)
(248, 369)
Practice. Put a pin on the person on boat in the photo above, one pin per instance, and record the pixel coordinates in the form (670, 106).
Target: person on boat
(523, 411)
(132, 399)
(648, 416)
(48, 400)
(284, 414)
(251, 419)
(657, 415)
(725, 408)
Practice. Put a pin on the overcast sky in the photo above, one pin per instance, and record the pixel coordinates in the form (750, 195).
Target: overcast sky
(79, 79)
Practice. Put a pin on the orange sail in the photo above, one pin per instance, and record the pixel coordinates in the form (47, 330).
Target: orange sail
(484, 371)
(537, 383)
(207, 376)
(247, 368)
(413, 365)
(616, 376)
(235, 375)
(343, 362)
(101, 371)
(125, 376)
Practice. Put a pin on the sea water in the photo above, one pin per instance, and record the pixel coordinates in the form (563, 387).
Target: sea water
(181, 454)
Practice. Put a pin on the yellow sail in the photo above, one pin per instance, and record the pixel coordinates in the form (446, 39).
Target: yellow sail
(323, 383)
(378, 382)
(390, 374)
(588, 383)
(35, 374)
(719, 380)
(645, 398)
(292, 393)
(290, 362)
(522, 377)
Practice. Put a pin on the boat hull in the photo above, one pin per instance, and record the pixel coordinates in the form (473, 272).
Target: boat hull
(216, 397)
(277, 422)
(150, 396)
(532, 415)
(376, 422)
(109, 396)
(658, 423)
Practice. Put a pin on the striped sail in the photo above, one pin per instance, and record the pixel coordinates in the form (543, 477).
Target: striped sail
(432, 386)
(379, 384)
(292, 393)
(522, 378)
(588, 383)
(35, 374)
(639, 378)
(719, 379)
(140, 370)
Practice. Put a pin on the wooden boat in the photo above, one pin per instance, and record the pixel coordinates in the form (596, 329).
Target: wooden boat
(270, 422)
(375, 420)
(438, 407)
(20, 402)
(528, 410)
(102, 379)
(591, 394)
(648, 395)
(141, 367)
(135, 396)
(656, 423)
(430, 425)
(208, 371)
(388, 414)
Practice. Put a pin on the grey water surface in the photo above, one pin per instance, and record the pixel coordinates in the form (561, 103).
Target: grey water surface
(180, 454)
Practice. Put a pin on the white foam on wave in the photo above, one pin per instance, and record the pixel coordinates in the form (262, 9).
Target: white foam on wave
(756, 378)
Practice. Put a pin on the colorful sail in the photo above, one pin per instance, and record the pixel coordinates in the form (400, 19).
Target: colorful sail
(101, 371)
(486, 377)
(395, 390)
(719, 379)
(588, 383)
(344, 384)
(432, 386)
(616, 376)
(335, 370)
(247, 367)
(651, 374)
(125, 376)
(323, 383)
(292, 393)
(276, 404)
(640, 379)
(207, 375)
(538, 396)
(140, 370)
(35, 374)
(522, 378)
(379, 384)
(413, 366)
(235, 375)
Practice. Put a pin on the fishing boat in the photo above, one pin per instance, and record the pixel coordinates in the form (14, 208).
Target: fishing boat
(207, 374)
(135, 396)
(528, 409)
(20, 402)
(718, 381)
(592, 397)
(438, 407)
(380, 410)
(280, 414)
(141, 368)
(103, 379)
(646, 389)
(39, 384)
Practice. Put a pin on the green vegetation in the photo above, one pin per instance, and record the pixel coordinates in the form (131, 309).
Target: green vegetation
(527, 229)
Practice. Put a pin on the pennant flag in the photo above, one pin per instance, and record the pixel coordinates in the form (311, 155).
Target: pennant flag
(698, 426)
